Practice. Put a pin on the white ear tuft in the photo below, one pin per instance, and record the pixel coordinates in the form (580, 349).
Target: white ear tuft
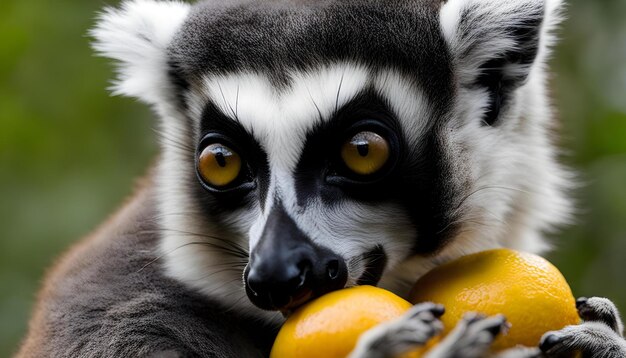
(137, 35)
(508, 33)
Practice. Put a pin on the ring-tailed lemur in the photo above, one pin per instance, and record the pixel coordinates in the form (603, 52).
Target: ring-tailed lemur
(309, 146)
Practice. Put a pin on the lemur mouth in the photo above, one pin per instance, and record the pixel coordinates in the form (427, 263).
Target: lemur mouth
(291, 287)
(375, 262)
(296, 301)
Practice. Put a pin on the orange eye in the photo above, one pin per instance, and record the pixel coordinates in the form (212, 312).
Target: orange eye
(219, 165)
(365, 153)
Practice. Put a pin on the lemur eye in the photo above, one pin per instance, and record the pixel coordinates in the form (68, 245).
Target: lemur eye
(365, 153)
(219, 165)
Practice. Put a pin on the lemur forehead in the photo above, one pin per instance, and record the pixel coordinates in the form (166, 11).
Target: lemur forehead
(274, 38)
(281, 117)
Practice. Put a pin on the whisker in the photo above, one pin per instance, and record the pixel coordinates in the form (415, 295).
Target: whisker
(233, 247)
(237, 105)
(482, 189)
(226, 102)
(165, 138)
(229, 282)
(164, 254)
(338, 93)
(233, 269)
(319, 112)
(234, 304)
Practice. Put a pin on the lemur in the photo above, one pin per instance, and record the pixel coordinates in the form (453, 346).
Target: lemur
(312, 145)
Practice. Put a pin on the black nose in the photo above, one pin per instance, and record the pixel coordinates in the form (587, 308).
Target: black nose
(287, 269)
(287, 285)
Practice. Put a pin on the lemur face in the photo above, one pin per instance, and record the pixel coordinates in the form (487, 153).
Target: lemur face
(308, 147)
(325, 177)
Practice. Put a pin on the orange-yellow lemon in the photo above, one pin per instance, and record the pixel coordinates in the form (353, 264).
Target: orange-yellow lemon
(331, 325)
(531, 293)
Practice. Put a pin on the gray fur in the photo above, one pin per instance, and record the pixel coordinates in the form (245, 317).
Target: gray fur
(593, 339)
(599, 309)
(217, 39)
(109, 298)
(471, 338)
(391, 339)
(601, 335)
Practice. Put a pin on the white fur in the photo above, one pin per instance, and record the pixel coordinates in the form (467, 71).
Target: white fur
(475, 30)
(137, 35)
(280, 120)
(514, 167)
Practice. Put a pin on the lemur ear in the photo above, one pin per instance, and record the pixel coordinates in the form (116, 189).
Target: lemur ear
(137, 35)
(494, 43)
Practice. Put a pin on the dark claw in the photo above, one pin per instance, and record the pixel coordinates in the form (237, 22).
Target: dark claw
(498, 327)
(472, 318)
(581, 302)
(434, 309)
(438, 310)
(548, 342)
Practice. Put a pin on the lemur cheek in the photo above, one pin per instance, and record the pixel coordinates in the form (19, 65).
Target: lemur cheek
(375, 262)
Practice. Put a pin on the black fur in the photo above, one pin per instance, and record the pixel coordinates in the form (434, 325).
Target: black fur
(252, 183)
(272, 37)
(376, 262)
(114, 301)
(320, 170)
(504, 73)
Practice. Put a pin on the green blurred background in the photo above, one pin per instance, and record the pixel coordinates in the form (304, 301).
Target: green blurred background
(70, 153)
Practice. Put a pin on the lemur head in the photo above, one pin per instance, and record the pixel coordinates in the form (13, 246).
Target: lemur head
(312, 145)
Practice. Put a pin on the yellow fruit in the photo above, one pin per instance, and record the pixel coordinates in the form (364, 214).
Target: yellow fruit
(331, 325)
(531, 293)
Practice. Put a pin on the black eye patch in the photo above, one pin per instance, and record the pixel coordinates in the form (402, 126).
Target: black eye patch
(217, 127)
(418, 183)
(322, 171)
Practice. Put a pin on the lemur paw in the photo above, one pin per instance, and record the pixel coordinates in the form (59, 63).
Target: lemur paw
(593, 339)
(598, 309)
(599, 336)
(471, 338)
(390, 339)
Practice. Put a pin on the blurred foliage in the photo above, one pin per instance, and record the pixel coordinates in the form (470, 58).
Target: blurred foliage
(69, 153)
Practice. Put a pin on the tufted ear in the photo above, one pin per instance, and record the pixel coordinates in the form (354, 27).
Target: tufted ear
(495, 43)
(137, 35)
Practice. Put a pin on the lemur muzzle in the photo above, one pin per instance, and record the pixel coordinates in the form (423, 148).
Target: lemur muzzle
(287, 268)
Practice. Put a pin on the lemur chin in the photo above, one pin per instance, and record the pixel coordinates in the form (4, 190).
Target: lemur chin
(308, 146)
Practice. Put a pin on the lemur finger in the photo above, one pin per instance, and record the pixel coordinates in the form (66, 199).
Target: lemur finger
(593, 339)
(413, 334)
(521, 352)
(598, 309)
(471, 338)
(413, 329)
(425, 310)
